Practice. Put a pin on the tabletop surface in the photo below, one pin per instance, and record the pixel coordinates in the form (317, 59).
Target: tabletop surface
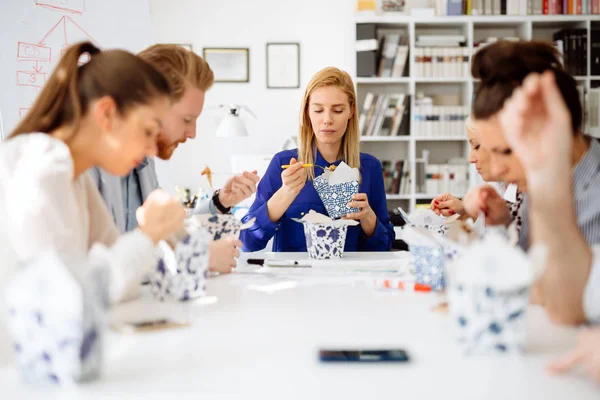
(258, 335)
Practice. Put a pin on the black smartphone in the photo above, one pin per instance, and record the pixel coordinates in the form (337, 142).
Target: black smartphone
(364, 356)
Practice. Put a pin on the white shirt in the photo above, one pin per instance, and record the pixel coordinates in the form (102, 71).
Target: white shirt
(42, 207)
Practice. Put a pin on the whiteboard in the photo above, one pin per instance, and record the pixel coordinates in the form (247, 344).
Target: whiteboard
(35, 32)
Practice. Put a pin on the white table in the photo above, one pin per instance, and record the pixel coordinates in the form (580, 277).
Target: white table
(261, 345)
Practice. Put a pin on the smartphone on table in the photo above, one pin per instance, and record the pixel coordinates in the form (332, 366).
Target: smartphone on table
(363, 356)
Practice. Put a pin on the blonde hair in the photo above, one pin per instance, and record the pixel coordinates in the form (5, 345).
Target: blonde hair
(469, 124)
(180, 66)
(350, 149)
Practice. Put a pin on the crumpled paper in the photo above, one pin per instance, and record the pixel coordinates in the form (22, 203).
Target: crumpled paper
(325, 237)
(488, 294)
(336, 188)
(57, 320)
(426, 218)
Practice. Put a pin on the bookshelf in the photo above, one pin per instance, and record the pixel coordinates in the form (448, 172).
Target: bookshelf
(475, 29)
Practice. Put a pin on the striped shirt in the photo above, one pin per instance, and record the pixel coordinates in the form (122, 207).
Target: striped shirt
(591, 294)
(586, 194)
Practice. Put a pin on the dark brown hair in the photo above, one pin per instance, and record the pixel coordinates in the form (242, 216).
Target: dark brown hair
(503, 66)
(180, 66)
(71, 88)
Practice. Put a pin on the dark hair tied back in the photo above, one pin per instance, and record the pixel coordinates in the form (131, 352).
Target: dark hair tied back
(501, 68)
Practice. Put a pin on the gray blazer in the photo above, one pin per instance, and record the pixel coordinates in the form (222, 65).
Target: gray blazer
(110, 189)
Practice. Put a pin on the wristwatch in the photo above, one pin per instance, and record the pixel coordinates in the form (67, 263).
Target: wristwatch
(215, 199)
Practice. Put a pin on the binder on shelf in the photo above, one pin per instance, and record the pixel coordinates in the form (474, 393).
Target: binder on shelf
(595, 51)
(366, 60)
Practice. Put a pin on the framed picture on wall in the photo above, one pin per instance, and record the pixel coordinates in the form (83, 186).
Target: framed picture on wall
(228, 64)
(283, 65)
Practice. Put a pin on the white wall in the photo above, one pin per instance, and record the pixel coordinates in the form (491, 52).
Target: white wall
(325, 31)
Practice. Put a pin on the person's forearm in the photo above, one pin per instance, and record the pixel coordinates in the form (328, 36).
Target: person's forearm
(553, 223)
(369, 224)
(278, 204)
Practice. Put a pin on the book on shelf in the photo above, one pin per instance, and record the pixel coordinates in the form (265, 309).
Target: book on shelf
(441, 62)
(396, 177)
(595, 51)
(440, 121)
(385, 115)
(572, 43)
(386, 57)
(450, 178)
(516, 7)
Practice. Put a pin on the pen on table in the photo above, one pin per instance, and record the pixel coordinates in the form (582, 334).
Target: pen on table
(277, 263)
(402, 285)
(284, 263)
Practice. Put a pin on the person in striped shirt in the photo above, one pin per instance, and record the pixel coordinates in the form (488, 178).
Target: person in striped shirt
(447, 205)
(538, 126)
(501, 69)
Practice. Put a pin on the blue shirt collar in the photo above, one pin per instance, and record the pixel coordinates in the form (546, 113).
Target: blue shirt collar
(142, 165)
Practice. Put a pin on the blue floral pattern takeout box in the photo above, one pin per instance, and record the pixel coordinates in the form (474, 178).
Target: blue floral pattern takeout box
(56, 320)
(181, 272)
(218, 226)
(488, 295)
(336, 190)
(325, 238)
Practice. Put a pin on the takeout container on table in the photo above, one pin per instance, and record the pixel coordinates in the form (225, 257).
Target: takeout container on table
(325, 237)
(429, 252)
(488, 294)
(336, 188)
(182, 266)
(219, 225)
(56, 320)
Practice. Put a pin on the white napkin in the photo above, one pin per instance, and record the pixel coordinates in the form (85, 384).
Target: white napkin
(422, 217)
(342, 174)
(314, 217)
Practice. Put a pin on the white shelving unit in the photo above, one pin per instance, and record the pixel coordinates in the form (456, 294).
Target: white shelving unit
(475, 28)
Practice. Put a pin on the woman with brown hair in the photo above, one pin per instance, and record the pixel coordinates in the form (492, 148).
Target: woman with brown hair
(106, 112)
(502, 67)
(328, 135)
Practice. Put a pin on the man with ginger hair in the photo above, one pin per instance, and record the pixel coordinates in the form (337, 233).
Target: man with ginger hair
(190, 78)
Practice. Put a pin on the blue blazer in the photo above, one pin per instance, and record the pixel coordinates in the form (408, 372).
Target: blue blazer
(289, 235)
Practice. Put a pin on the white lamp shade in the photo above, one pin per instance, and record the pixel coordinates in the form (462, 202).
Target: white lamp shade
(231, 126)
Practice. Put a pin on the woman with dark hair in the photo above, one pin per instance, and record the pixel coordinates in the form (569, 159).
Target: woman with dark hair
(501, 68)
(106, 112)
